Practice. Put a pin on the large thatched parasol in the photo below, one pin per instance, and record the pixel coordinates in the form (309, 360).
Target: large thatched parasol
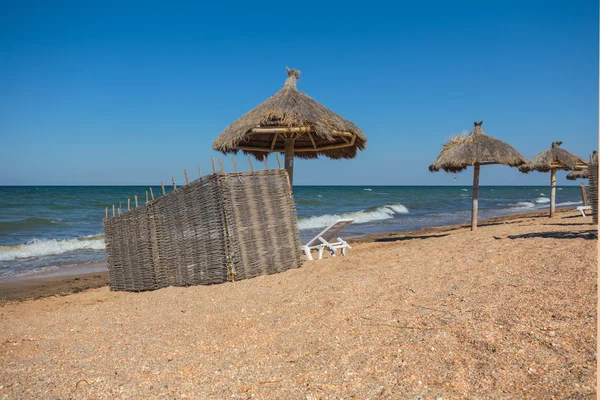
(551, 160)
(475, 150)
(292, 123)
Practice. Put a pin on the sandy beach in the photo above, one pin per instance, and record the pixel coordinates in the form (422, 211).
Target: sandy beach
(506, 312)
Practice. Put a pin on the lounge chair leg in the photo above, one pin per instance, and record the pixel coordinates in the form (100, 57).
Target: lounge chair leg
(343, 251)
(307, 252)
(320, 253)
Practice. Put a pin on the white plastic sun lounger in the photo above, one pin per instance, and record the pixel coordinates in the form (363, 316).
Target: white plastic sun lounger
(582, 209)
(328, 239)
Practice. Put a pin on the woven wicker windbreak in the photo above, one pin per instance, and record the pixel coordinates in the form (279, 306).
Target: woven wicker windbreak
(222, 227)
(593, 176)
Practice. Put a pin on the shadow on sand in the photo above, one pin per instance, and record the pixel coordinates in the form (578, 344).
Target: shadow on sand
(401, 238)
(587, 234)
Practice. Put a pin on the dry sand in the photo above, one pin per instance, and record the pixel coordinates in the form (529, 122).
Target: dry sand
(507, 312)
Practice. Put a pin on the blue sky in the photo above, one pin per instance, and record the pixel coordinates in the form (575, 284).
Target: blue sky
(132, 93)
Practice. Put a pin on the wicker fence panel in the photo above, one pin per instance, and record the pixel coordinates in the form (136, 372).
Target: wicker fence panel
(129, 249)
(262, 223)
(218, 228)
(593, 176)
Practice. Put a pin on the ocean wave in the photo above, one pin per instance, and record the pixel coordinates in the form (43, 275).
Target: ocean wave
(465, 190)
(368, 190)
(32, 222)
(523, 204)
(359, 217)
(542, 200)
(568, 203)
(49, 247)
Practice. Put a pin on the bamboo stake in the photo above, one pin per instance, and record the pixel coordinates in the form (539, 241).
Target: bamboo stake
(106, 212)
(278, 160)
(186, 177)
(552, 192)
(250, 162)
(119, 210)
(174, 184)
(199, 171)
(163, 187)
(152, 193)
(234, 164)
(128, 204)
(584, 195)
(265, 161)
(136, 203)
(475, 197)
(213, 165)
(113, 210)
(221, 164)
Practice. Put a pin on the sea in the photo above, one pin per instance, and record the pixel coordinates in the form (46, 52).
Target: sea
(49, 229)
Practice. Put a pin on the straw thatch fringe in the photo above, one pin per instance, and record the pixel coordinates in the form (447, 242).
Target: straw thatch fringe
(463, 151)
(580, 174)
(222, 227)
(553, 158)
(290, 108)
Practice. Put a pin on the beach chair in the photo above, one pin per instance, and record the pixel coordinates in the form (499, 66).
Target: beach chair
(582, 209)
(328, 239)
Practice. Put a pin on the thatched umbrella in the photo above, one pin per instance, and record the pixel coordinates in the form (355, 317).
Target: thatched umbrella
(579, 174)
(475, 150)
(551, 160)
(292, 123)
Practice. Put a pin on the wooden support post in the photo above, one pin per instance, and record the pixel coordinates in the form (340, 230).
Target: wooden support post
(106, 212)
(278, 160)
(552, 192)
(289, 159)
(113, 210)
(234, 164)
(162, 184)
(213, 165)
(146, 197)
(174, 184)
(475, 197)
(199, 171)
(119, 210)
(584, 198)
(250, 162)
(186, 177)
(221, 165)
(265, 161)
(128, 204)
(152, 194)
(136, 203)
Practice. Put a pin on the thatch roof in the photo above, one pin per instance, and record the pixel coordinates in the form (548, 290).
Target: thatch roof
(291, 113)
(580, 174)
(463, 151)
(553, 158)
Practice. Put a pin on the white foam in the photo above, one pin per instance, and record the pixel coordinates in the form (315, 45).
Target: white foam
(569, 203)
(359, 217)
(559, 189)
(368, 190)
(523, 204)
(48, 247)
(465, 190)
(542, 200)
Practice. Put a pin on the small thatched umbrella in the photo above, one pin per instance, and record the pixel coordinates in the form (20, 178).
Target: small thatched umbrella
(475, 150)
(551, 160)
(292, 123)
(579, 174)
